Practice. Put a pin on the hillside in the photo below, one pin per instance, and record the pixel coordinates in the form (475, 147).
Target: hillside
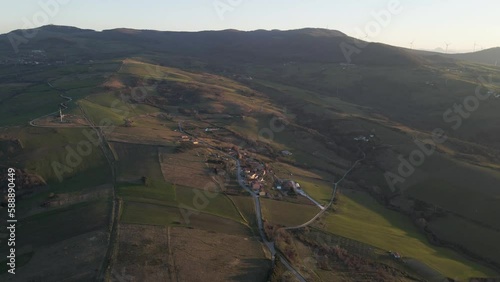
(216, 47)
(488, 57)
(261, 153)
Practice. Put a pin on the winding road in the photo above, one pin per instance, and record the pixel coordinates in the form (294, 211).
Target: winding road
(104, 146)
(335, 186)
(258, 213)
(62, 105)
(258, 210)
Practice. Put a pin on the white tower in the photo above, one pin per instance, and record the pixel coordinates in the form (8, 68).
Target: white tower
(61, 116)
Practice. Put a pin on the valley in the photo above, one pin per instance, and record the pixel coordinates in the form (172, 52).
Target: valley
(165, 162)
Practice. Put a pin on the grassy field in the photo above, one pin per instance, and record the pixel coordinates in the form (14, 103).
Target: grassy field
(155, 190)
(158, 253)
(142, 213)
(187, 168)
(213, 203)
(319, 190)
(246, 206)
(285, 213)
(30, 103)
(478, 187)
(323, 102)
(45, 149)
(38, 230)
(135, 161)
(461, 232)
(25, 101)
(360, 218)
(222, 257)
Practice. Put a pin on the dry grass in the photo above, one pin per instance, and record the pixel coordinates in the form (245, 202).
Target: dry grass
(186, 169)
(143, 254)
(201, 255)
(75, 259)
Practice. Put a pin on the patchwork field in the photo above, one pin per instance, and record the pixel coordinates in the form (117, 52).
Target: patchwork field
(224, 257)
(158, 248)
(187, 169)
(175, 220)
(77, 258)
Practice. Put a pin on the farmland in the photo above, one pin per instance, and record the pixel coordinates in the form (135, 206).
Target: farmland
(159, 198)
(362, 219)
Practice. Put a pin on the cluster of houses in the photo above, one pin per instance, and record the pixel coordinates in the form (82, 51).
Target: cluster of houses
(287, 186)
(33, 57)
(364, 138)
(185, 138)
(395, 255)
(254, 171)
(430, 83)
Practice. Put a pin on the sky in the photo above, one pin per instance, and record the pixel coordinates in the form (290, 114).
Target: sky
(463, 25)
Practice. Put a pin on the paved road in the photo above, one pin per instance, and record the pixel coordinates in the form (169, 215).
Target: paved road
(304, 194)
(258, 213)
(110, 158)
(63, 105)
(335, 185)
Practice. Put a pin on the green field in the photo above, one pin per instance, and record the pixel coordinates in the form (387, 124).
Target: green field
(143, 213)
(57, 150)
(135, 161)
(324, 106)
(156, 190)
(24, 102)
(247, 208)
(285, 213)
(468, 234)
(360, 218)
(319, 190)
(161, 215)
(213, 203)
(59, 224)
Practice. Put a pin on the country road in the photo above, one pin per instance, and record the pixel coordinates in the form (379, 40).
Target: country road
(62, 105)
(304, 194)
(104, 146)
(335, 185)
(258, 214)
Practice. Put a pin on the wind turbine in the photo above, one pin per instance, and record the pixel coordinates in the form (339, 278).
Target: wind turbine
(475, 46)
(411, 44)
(447, 44)
(61, 115)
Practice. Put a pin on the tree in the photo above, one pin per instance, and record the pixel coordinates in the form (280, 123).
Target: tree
(145, 181)
(127, 122)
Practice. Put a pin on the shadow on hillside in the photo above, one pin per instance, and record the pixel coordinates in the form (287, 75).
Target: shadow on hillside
(253, 270)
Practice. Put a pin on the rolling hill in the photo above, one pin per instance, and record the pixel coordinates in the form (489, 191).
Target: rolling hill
(159, 127)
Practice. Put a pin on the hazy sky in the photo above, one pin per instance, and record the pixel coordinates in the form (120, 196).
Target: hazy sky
(428, 23)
